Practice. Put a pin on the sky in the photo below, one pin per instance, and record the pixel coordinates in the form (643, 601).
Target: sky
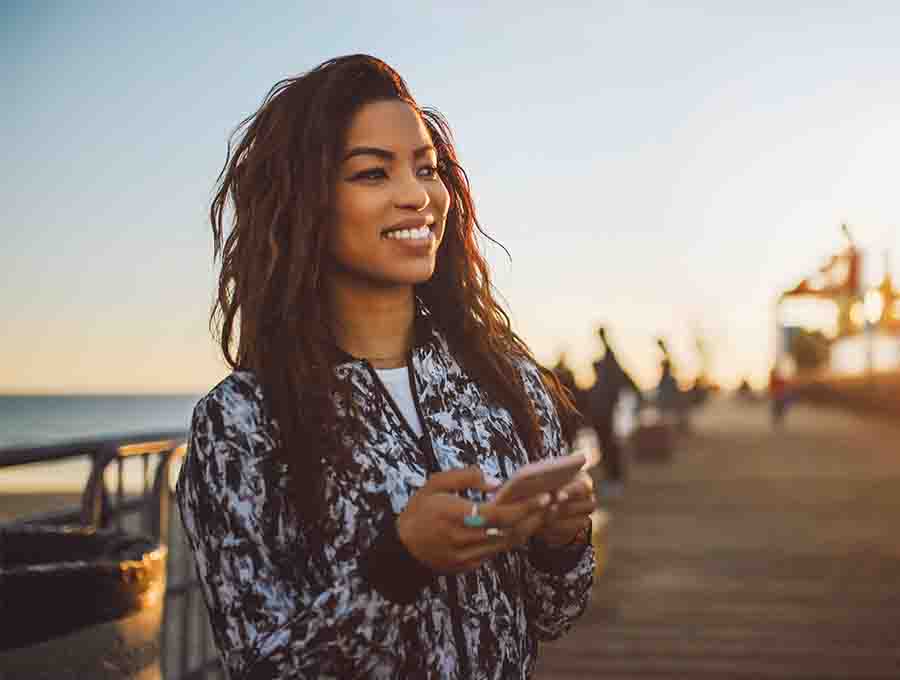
(662, 168)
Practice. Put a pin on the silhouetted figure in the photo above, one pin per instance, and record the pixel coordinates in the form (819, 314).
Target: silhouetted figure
(602, 399)
(567, 379)
(698, 393)
(668, 395)
(778, 397)
(564, 373)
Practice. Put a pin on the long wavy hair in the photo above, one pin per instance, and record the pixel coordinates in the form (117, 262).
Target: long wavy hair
(270, 315)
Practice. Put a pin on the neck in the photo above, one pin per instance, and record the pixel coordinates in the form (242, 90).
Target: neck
(373, 324)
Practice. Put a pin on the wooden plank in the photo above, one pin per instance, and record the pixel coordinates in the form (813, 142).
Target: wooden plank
(751, 554)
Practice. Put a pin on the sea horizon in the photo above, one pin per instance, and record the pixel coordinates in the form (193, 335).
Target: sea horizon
(28, 420)
(90, 393)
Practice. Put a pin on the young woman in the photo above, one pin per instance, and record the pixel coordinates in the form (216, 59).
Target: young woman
(334, 488)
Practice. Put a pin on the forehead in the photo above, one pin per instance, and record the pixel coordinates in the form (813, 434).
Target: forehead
(393, 125)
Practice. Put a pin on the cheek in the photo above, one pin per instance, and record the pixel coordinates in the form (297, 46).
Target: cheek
(350, 207)
(355, 211)
(440, 199)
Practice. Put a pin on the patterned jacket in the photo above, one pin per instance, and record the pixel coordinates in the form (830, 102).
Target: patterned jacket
(348, 600)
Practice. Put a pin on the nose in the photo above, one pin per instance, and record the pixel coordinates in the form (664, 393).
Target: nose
(411, 194)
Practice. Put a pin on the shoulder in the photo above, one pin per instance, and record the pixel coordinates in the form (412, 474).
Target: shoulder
(238, 399)
(533, 377)
(528, 368)
(545, 408)
(233, 412)
(230, 447)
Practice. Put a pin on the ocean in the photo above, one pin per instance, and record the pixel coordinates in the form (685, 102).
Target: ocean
(37, 420)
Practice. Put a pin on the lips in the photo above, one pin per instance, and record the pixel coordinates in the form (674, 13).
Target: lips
(411, 229)
(413, 224)
(408, 234)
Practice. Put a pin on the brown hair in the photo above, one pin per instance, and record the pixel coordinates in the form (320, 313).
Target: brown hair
(270, 316)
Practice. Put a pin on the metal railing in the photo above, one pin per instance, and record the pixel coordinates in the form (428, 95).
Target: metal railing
(112, 497)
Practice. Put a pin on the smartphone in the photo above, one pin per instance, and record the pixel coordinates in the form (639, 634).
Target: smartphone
(544, 476)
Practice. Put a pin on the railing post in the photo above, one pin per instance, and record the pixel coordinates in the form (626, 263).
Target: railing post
(95, 507)
(160, 507)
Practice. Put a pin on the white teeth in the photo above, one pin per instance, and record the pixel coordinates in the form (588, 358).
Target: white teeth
(421, 232)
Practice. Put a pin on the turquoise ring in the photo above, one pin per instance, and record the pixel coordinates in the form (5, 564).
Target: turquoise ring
(473, 519)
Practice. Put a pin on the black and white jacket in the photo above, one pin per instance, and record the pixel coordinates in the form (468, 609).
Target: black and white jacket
(348, 600)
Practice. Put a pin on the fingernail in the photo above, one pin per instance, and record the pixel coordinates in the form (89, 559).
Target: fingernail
(492, 481)
(544, 500)
(562, 496)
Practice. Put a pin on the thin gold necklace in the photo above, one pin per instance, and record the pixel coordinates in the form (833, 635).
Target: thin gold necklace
(389, 358)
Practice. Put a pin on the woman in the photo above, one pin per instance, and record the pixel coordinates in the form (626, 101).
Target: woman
(334, 489)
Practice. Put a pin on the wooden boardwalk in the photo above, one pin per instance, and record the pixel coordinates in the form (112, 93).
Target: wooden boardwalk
(750, 555)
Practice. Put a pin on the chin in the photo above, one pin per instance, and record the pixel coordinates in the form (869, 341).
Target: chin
(383, 280)
(409, 280)
(388, 275)
(409, 276)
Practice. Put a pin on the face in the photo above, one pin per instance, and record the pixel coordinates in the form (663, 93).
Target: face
(391, 206)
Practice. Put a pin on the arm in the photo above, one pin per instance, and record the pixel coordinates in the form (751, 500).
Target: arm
(558, 586)
(629, 381)
(279, 606)
(557, 580)
(624, 377)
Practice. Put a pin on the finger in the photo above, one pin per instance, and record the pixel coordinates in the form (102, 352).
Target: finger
(574, 509)
(587, 499)
(455, 513)
(466, 537)
(581, 487)
(484, 551)
(564, 524)
(461, 536)
(471, 477)
(508, 514)
(452, 511)
(567, 527)
(529, 526)
(573, 493)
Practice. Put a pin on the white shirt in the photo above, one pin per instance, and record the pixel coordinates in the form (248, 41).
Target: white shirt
(396, 380)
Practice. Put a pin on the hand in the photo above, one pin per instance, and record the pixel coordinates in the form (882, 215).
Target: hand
(432, 529)
(569, 513)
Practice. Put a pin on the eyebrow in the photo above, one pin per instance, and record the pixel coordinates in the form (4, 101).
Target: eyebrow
(384, 154)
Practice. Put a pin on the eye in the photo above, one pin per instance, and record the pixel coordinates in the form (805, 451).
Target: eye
(429, 171)
(371, 174)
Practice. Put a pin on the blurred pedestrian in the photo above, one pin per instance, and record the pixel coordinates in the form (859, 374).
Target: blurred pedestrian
(611, 379)
(333, 489)
(566, 377)
(745, 391)
(779, 397)
(669, 397)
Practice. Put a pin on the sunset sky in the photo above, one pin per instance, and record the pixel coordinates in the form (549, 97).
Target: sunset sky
(663, 171)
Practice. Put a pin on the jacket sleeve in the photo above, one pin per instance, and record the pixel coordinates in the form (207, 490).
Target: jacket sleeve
(558, 581)
(276, 610)
(558, 585)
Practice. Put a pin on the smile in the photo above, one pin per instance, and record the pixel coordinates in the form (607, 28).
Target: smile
(409, 234)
